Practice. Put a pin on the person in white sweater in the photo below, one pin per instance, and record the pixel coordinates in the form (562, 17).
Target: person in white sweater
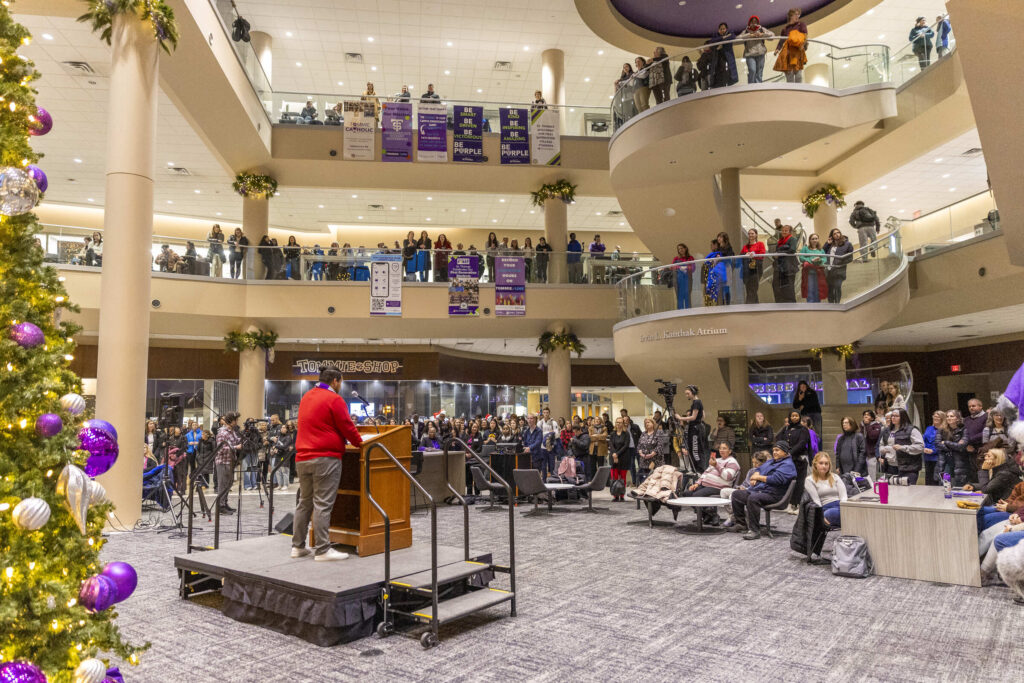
(825, 488)
(721, 473)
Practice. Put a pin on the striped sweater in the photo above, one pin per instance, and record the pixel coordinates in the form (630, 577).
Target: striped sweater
(720, 475)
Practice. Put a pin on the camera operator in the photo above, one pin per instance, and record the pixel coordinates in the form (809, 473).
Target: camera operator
(229, 445)
(252, 446)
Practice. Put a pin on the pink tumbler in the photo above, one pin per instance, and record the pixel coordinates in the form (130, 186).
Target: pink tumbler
(882, 489)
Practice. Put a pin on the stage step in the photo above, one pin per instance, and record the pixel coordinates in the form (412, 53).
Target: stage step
(466, 604)
(445, 574)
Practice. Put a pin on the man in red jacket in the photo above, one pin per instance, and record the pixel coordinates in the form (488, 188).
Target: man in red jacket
(324, 428)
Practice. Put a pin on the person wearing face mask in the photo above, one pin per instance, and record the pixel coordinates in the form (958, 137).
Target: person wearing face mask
(799, 439)
(754, 48)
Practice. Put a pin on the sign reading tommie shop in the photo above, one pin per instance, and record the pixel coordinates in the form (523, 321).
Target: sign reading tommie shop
(360, 127)
(386, 284)
(689, 332)
(545, 141)
(515, 136)
(312, 366)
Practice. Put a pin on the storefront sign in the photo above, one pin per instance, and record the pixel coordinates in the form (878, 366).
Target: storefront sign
(737, 419)
(396, 132)
(463, 285)
(360, 128)
(689, 332)
(432, 141)
(545, 141)
(386, 284)
(311, 366)
(509, 286)
(515, 136)
(468, 138)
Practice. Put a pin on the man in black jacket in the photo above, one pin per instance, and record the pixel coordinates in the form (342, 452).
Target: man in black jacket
(799, 440)
(785, 267)
(865, 222)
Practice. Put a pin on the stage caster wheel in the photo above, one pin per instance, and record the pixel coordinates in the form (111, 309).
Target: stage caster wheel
(384, 629)
(428, 640)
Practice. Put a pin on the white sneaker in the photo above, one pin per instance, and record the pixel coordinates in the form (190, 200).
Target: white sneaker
(331, 555)
(299, 552)
(792, 510)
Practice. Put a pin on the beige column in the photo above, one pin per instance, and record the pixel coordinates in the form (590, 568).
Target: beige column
(559, 377)
(252, 375)
(255, 223)
(833, 378)
(128, 228)
(825, 219)
(262, 44)
(739, 382)
(556, 228)
(732, 221)
(552, 79)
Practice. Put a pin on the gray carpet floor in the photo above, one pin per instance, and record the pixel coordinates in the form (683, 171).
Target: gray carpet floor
(602, 599)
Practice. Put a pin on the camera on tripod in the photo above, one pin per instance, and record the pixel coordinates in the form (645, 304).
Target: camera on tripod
(668, 391)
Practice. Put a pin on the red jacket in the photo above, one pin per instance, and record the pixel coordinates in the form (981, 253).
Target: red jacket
(324, 426)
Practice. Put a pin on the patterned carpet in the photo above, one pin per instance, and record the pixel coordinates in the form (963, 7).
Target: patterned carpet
(601, 599)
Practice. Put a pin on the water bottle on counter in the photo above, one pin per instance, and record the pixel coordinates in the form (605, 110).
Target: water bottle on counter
(947, 485)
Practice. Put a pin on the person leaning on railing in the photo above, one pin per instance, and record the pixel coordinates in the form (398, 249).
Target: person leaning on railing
(683, 275)
(840, 253)
(686, 78)
(753, 265)
(754, 48)
(216, 250)
(723, 59)
(641, 83)
(785, 267)
(660, 74)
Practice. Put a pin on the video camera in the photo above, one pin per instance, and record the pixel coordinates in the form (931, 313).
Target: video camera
(668, 390)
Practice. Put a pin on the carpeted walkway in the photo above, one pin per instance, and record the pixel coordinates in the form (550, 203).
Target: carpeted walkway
(600, 599)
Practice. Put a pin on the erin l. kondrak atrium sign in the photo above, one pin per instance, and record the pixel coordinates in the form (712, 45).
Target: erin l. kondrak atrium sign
(688, 332)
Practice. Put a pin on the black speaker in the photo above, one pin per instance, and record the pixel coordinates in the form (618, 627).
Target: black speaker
(285, 525)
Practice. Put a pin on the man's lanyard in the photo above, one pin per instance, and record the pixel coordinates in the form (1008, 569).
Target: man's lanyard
(323, 385)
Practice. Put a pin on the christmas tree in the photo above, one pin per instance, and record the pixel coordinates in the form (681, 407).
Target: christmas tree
(55, 594)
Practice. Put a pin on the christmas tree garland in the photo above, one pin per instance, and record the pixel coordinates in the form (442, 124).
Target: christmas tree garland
(560, 189)
(549, 341)
(255, 186)
(826, 194)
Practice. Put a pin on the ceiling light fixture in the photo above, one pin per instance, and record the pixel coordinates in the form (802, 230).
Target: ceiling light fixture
(600, 52)
(939, 160)
(341, 82)
(621, 223)
(502, 200)
(219, 213)
(355, 196)
(90, 199)
(196, 191)
(170, 163)
(526, 48)
(359, 217)
(598, 213)
(884, 187)
(774, 208)
(952, 189)
(587, 79)
(449, 43)
(462, 210)
(428, 218)
(47, 36)
(169, 201)
(394, 208)
(288, 34)
(77, 160)
(447, 72)
(298, 63)
(373, 68)
(494, 220)
(319, 206)
(430, 199)
(479, 90)
(881, 36)
(369, 39)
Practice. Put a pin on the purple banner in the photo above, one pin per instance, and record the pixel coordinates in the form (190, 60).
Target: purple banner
(463, 285)
(515, 136)
(468, 138)
(509, 286)
(396, 132)
(432, 141)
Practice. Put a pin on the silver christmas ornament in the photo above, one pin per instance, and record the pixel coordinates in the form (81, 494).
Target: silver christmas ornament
(91, 671)
(73, 485)
(97, 494)
(18, 191)
(73, 403)
(31, 514)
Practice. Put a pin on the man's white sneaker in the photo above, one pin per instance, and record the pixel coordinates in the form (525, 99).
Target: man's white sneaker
(299, 552)
(331, 555)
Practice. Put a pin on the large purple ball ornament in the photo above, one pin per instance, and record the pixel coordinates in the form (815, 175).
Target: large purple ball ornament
(103, 426)
(49, 425)
(39, 176)
(124, 577)
(28, 335)
(98, 593)
(102, 450)
(21, 672)
(113, 676)
(40, 123)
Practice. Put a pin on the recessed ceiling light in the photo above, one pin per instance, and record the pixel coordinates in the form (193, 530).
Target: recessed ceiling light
(319, 206)
(355, 196)
(881, 36)
(884, 187)
(789, 218)
(600, 52)
(298, 63)
(288, 34)
(359, 217)
(170, 163)
(939, 160)
(462, 210)
(449, 43)
(774, 208)
(78, 161)
(394, 208)
(502, 200)
(952, 189)
(219, 213)
(739, 6)
(169, 201)
(428, 218)
(903, 210)
(494, 220)
(598, 213)
(571, 109)
(532, 211)
(341, 82)
(430, 199)
(621, 223)
(682, 2)
(526, 48)
(47, 36)
(587, 79)
(945, 175)
(196, 191)
(870, 11)
(447, 72)
(479, 90)
(369, 38)
(893, 199)
(373, 68)
(90, 199)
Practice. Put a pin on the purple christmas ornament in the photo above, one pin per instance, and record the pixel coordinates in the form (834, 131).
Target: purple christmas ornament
(103, 426)
(123, 576)
(98, 593)
(37, 175)
(21, 672)
(113, 676)
(49, 425)
(27, 335)
(102, 450)
(42, 122)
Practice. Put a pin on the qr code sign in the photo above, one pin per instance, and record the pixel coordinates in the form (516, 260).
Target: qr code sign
(376, 305)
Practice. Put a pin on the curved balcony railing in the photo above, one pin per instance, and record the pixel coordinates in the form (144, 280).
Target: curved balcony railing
(803, 278)
(827, 65)
(776, 386)
(173, 255)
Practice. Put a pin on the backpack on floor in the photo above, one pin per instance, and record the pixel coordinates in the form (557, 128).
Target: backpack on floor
(618, 487)
(850, 557)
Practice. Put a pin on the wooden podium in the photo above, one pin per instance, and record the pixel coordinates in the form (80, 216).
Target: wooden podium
(354, 521)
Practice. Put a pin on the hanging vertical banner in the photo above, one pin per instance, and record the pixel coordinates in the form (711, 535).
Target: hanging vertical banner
(432, 141)
(515, 136)
(386, 284)
(509, 286)
(468, 139)
(396, 132)
(545, 141)
(463, 285)
(360, 127)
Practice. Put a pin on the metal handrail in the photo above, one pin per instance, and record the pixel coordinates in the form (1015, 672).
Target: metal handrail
(511, 512)
(387, 531)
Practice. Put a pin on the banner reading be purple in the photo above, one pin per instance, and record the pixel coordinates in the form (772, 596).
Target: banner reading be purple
(463, 285)
(396, 132)
(515, 136)
(509, 286)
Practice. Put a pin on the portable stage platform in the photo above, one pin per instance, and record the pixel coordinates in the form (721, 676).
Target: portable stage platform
(326, 603)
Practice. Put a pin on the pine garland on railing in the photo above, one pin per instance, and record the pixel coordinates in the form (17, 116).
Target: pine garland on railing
(844, 351)
(101, 15)
(255, 186)
(549, 341)
(236, 341)
(560, 189)
(826, 194)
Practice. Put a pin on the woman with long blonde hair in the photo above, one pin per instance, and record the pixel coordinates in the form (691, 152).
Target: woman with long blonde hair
(825, 488)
